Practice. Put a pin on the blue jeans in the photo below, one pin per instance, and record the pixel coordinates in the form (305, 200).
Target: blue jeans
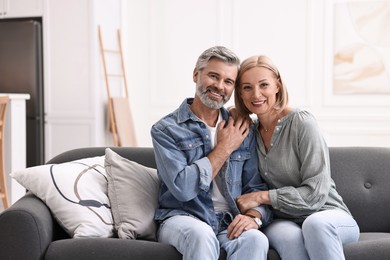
(195, 239)
(321, 236)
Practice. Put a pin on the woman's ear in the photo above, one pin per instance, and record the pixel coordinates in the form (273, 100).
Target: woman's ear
(278, 85)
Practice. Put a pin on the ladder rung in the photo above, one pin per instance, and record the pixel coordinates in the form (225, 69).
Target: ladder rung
(115, 75)
(112, 51)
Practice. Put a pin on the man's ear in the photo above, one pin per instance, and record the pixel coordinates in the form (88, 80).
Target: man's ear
(195, 75)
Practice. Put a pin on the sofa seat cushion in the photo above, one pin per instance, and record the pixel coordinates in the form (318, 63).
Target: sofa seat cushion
(373, 246)
(118, 249)
(109, 248)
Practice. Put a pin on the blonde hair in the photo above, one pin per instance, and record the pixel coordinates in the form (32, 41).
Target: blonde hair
(265, 62)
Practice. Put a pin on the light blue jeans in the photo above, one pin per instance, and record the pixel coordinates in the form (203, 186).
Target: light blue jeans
(196, 240)
(321, 236)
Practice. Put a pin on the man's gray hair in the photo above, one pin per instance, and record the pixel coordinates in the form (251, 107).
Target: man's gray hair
(218, 52)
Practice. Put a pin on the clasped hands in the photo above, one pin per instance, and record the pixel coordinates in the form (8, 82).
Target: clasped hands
(242, 222)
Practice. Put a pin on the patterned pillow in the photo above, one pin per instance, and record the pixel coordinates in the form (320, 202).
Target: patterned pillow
(75, 192)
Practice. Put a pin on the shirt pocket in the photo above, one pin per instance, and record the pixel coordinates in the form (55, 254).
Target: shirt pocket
(192, 148)
(237, 160)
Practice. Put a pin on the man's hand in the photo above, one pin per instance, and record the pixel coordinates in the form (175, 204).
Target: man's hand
(229, 137)
(240, 224)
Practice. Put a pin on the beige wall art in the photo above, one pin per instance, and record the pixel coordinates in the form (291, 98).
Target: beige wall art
(361, 44)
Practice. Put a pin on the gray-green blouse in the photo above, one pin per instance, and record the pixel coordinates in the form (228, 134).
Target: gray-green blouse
(297, 168)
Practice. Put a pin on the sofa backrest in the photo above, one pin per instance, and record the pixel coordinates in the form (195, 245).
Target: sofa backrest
(361, 174)
(362, 177)
(141, 155)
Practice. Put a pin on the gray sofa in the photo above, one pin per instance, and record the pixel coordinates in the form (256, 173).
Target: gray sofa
(362, 176)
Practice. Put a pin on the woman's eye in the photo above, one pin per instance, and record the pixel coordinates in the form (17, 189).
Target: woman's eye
(264, 85)
(246, 88)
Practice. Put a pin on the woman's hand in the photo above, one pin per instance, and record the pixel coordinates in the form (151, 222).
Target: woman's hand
(251, 200)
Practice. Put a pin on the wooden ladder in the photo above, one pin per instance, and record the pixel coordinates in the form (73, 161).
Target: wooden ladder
(4, 101)
(119, 113)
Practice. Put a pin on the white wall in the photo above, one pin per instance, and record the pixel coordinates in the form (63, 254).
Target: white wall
(163, 38)
(74, 86)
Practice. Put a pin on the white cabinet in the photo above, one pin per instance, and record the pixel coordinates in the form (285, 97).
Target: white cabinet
(74, 87)
(20, 8)
(15, 142)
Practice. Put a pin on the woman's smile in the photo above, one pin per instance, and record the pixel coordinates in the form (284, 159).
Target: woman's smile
(258, 103)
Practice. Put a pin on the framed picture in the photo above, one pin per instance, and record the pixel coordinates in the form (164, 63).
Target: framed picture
(357, 53)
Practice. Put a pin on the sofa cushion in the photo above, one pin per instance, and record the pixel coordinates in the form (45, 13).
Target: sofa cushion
(362, 178)
(75, 192)
(133, 193)
(373, 246)
(110, 248)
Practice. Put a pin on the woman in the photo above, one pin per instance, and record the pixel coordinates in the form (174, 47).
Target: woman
(311, 219)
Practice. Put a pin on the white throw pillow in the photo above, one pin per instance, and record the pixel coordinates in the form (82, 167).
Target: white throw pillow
(133, 193)
(75, 192)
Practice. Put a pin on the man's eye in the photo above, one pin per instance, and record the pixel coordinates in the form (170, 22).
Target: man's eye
(230, 83)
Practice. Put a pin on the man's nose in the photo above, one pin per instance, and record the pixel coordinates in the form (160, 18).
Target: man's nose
(220, 84)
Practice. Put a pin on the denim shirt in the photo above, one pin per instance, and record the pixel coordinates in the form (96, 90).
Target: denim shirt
(181, 143)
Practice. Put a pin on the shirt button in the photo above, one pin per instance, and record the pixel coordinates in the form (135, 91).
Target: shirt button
(207, 136)
(239, 157)
(277, 128)
(190, 145)
(272, 144)
(266, 173)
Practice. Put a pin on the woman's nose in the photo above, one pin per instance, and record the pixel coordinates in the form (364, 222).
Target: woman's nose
(258, 92)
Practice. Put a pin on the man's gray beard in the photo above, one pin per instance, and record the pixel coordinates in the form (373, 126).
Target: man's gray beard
(207, 101)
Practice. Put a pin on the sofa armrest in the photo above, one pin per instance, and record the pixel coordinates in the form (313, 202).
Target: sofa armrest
(26, 229)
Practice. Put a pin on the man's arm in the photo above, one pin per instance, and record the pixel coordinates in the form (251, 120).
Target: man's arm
(178, 175)
(173, 167)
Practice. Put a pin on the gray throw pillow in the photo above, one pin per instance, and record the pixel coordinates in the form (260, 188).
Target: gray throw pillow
(133, 194)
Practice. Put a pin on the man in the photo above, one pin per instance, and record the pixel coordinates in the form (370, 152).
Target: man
(205, 160)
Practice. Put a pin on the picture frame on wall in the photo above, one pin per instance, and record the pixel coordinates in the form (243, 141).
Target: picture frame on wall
(357, 53)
